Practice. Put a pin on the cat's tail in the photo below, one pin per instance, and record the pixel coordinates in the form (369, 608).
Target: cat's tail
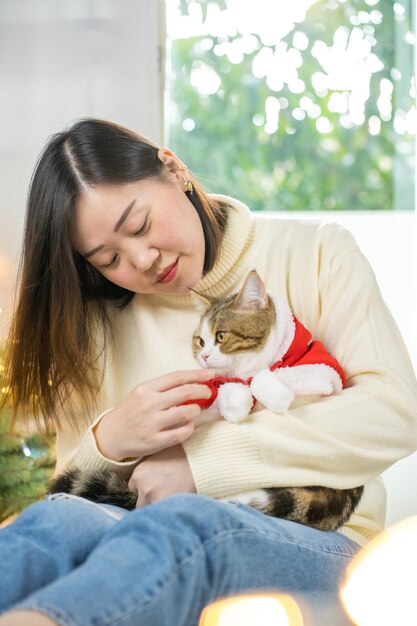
(103, 486)
(319, 507)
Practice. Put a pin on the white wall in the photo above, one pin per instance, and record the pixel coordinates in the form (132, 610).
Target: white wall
(61, 60)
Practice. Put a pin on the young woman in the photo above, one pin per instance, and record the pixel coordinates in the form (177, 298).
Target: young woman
(117, 231)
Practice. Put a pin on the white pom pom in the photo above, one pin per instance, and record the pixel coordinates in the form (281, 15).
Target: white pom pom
(268, 389)
(234, 401)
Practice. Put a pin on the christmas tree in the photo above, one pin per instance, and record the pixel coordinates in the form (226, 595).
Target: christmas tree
(26, 461)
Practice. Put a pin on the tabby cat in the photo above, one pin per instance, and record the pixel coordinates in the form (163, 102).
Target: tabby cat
(263, 357)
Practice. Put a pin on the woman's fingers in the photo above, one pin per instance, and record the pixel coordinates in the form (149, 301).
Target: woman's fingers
(176, 379)
(173, 436)
(136, 426)
(184, 393)
(177, 415)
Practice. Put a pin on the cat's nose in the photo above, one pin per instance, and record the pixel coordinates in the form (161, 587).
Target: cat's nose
(204, 357)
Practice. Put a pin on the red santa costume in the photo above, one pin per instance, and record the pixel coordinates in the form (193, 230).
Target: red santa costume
(301, 351)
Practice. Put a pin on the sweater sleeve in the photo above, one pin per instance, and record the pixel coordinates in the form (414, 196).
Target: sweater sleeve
(338, 441)
(79, 449)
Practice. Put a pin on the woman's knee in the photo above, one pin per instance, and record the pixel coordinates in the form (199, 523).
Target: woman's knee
(42, 512)
(191, 506)
(189, 514)
(64, 515)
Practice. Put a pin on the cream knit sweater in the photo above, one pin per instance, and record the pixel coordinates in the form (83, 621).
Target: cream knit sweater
(338, 441)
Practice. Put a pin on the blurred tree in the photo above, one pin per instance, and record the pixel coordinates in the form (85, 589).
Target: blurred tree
(314, 114)
(26, 462)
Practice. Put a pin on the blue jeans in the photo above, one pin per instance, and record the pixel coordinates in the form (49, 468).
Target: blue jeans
(84, 564)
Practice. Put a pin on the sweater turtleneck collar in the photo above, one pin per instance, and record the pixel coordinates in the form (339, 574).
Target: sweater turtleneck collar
(235, 238)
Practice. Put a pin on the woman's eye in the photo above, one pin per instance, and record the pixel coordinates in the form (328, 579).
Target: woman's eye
(221, 336)
(112, 262)
(143, 228)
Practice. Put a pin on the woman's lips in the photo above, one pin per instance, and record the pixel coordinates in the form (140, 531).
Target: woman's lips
(170, 274)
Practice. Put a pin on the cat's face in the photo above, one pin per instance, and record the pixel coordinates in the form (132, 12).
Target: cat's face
(233, 327)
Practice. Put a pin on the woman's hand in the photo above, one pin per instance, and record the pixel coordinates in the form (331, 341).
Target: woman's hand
(149, 419)
(162, 474)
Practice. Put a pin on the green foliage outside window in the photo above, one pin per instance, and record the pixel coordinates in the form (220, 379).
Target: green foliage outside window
(282, 124)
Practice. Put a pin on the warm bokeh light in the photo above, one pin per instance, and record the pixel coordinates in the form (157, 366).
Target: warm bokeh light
(266, 609)
(380, 588)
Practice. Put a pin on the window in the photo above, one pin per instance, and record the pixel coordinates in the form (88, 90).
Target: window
(306, 105)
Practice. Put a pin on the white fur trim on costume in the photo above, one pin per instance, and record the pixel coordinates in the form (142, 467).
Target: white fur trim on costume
(268, 389)
(313, 378)
(286, 328)
(234, 401)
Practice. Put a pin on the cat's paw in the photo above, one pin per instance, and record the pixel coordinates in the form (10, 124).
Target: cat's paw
(234, 401)
(324, 388)
(268, 389)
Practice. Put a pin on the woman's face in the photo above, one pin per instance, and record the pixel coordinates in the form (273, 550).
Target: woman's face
(144, 236)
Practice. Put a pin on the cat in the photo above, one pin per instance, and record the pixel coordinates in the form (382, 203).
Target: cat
(263, 357)
(260, 353)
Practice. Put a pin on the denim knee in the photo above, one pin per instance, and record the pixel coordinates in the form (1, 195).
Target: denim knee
(62, 512)
(190, 517)
(201, 512)
(61, 527)
(44, 511)
(190, 504)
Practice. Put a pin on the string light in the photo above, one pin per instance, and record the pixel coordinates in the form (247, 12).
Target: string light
(26, 450)
(268, 609)
(381, 580)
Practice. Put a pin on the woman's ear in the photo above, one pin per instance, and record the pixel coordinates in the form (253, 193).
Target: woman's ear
(171, 162)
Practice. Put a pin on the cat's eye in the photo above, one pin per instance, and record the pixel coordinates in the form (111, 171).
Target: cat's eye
(221, 336)
(200, 342)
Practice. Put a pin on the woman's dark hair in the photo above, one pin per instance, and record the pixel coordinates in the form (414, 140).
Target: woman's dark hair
(61, 322)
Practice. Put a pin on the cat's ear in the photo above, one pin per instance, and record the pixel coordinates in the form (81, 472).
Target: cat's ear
(253, 294)
(201, 302)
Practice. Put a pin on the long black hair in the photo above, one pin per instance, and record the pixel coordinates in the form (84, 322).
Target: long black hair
(60, 327)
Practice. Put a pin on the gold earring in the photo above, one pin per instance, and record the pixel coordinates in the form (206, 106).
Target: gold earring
(187, 185)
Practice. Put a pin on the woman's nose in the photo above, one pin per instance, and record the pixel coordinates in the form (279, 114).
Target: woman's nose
(143, 258)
